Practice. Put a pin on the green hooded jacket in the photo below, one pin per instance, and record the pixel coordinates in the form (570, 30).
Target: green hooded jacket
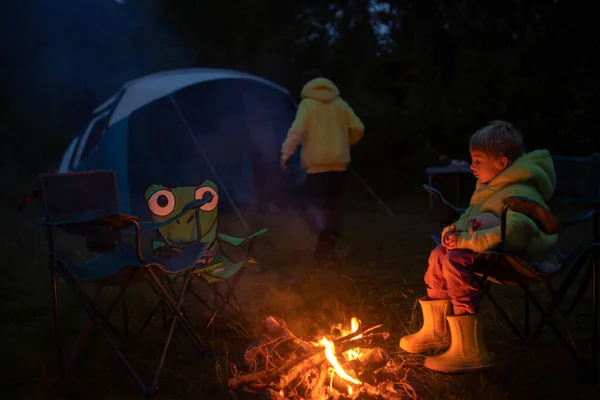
(532, 175)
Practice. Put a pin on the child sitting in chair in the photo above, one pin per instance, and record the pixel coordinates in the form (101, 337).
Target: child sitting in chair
(502, 169)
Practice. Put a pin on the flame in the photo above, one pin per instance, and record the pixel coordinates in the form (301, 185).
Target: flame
(354, 354)
(330, 354)
(351, 354)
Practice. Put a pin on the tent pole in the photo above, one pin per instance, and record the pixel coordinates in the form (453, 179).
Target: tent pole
(210, 165)
(361, 180)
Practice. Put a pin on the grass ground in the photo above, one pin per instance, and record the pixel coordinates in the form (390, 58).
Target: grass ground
(378, 279)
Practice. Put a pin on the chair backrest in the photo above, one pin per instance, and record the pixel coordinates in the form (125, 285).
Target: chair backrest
(76, 196)
(577, 179)
(577, 194)
(75, 201)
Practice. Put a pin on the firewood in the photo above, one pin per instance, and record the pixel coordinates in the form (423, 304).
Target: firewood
(287, 372)
(318, 358)
(359, 331)
(319, 390)
(317, 354)
(277, 328)
(311, 362)
(290, 370)
(368, 342)
(240, 380)
(373, 359)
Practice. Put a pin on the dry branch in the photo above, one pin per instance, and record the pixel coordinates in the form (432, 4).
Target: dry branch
(277, 328)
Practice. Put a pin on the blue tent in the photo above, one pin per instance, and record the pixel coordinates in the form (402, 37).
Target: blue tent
(178, 128)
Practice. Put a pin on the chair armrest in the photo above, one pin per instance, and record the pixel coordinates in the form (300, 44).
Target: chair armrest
(444, 211)
(85, 223)
(543, 218)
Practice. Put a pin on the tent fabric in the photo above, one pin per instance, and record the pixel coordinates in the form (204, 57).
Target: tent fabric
(181, 127)
(142, 91)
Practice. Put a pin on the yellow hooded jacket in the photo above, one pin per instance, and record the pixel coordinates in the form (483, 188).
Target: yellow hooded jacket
(531, 175)
(326, 126)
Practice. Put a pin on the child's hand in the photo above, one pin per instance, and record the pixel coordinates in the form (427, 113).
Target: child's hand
(451, 241)
(448, 230)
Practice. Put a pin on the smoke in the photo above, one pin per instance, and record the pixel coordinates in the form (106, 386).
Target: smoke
(63, 58)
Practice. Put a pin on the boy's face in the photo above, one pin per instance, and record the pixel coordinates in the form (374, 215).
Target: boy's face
(486, 167)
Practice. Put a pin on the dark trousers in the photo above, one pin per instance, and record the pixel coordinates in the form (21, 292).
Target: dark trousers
(324, 193)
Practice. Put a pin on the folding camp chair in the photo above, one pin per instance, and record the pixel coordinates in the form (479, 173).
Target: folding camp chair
(87, 204)
(577, 185)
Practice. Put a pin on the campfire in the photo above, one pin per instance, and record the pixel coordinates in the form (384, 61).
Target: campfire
(350, 363)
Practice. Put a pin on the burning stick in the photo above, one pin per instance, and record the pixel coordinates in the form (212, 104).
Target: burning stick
(357, 334)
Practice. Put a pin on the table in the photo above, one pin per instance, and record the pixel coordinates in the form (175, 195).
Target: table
(456, 170)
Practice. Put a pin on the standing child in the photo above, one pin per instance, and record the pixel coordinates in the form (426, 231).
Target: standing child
(326, 127)
(502, 169)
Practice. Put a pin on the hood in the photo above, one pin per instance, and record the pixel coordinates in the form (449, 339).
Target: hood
(320, 89)
(535, 169)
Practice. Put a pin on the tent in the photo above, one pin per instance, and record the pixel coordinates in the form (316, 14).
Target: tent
(181, 127)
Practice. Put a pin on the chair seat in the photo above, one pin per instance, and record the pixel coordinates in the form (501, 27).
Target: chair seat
(221, 268)
(124, 256)
(507, 269)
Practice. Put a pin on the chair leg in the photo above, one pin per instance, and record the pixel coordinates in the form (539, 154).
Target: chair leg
(588, 277)
(595, 312)
(79, 352)
(85, 331)
(100, 325)
(571, 347)
(238, 305)
(125, 315)
(526, 312)
(56, 319)
(225, 297)
(502, 312)
(152, 388)
(55, 312)
(152, 315)
(545, 319)
(175, 306)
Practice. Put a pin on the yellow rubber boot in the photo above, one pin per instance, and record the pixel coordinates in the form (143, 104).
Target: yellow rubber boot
(467, 350)
(434, 333)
